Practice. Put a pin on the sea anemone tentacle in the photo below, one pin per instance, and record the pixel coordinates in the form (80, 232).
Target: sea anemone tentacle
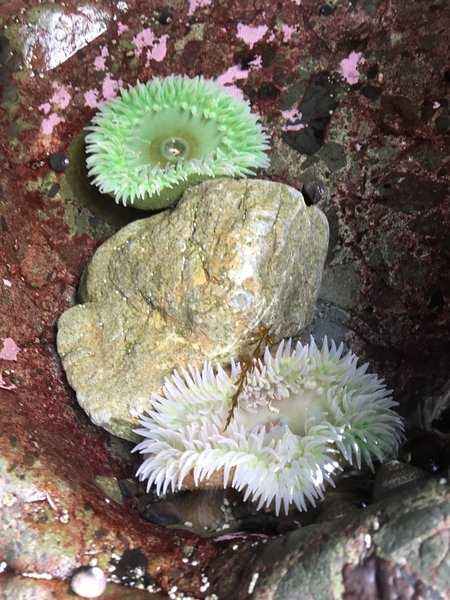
(303, 414)
(155, 139)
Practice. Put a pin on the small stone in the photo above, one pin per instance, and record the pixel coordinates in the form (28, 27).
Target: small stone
(326, 10)
(88, 582)
(312, 192)
(165, 17)
(58, 161)
(54, 190)
(161, 513)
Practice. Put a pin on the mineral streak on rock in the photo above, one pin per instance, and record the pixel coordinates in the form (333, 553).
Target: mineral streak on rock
(54, 34)
(186, 286)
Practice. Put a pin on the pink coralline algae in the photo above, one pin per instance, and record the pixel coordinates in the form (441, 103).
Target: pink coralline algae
(50, 123)
(10, 349)
(159, 51)
(349, 67)
(294, 116)
(156, 47)
(99, 62)
(251, 35)
(61, 96)
(59, 100)
(121, 28)
(288, 32)
(232, 74)
(4, 385)
(91, 98)
(236, 73)
(110, 87)
(143, 39)
(194, 4)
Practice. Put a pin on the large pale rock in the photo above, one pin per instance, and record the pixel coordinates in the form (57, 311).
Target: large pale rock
(188, 285)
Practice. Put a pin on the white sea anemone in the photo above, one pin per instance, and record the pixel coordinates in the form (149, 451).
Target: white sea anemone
(302, 415)
(153, 141)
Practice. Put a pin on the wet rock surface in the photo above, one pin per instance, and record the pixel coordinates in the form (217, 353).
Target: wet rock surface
(187, 286)
(404, 539)
(382, 159)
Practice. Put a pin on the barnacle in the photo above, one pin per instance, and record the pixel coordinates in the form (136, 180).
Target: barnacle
(301, 416)
(158, 138)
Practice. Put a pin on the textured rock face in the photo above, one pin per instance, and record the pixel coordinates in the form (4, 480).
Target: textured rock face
(189, 285)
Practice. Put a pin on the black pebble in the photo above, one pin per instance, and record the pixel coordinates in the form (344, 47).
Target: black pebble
(131, 566)
(312, 193)
(58, 161)
(161, 513)
(165, 17)
(54, 190)
(326, 10)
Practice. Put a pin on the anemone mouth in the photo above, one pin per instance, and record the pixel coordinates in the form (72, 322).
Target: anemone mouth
(302, 414)
(173, 148)
(170, 138)
(155, 139)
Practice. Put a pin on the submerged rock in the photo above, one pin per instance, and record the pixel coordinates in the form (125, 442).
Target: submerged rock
(188, 285)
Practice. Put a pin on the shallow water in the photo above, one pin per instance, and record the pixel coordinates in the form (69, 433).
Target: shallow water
(353, 96)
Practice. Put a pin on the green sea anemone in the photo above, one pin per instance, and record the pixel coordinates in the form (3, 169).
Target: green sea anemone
(154, 140)
(302, 415)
